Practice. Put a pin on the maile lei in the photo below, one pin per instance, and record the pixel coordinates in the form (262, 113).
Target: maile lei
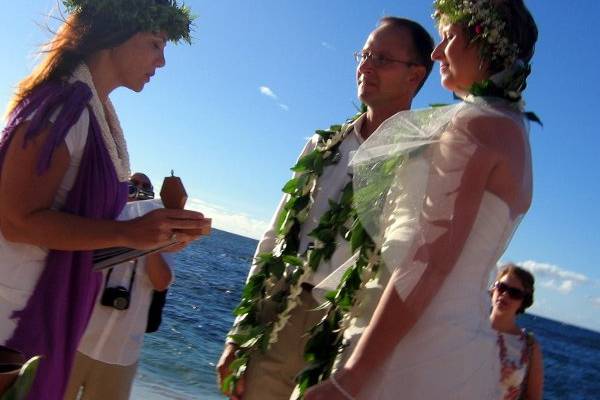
(326, 338)
(280, 273)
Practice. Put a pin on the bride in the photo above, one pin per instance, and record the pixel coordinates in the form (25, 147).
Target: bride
(420, 328)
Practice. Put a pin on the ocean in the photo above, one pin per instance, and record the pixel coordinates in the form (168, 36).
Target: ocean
(178, 361)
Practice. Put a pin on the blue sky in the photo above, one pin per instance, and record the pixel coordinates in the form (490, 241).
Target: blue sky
(230, 113)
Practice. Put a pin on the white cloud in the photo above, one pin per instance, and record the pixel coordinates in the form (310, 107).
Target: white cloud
(555, 278)
(328, 46)
(267, 92)
(595, 301)
(229, 221)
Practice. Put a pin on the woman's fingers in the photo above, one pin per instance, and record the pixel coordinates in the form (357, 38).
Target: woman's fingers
(200, 225)
(180, 214)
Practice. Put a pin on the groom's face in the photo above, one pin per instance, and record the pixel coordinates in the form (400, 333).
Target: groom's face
(387, 74)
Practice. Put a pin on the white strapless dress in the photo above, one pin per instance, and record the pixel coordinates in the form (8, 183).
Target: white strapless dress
(451, 352)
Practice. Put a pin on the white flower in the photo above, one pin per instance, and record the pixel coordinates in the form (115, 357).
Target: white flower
(318, 244)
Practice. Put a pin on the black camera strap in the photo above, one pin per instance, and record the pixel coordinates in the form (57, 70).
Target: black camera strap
(129, 289)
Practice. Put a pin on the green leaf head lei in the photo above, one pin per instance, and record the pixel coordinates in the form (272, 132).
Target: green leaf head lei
(138, 15)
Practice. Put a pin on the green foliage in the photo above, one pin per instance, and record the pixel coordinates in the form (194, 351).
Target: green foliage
(22, 385)
(142, 15)
(281, 270)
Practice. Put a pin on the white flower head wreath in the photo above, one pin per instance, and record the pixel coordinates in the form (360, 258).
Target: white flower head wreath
(485, 24)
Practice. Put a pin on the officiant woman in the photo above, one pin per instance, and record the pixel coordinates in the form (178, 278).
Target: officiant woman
(64, 169)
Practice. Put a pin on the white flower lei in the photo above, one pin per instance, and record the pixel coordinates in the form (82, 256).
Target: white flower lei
(112, 134)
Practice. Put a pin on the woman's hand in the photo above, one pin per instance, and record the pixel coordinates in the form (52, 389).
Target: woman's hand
(344, 385)
(324, 391)
(163, 226)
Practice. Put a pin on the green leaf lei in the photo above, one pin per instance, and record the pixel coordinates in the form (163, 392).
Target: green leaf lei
(281, 272)
(20, 388)
(140, 15)
(326, 338)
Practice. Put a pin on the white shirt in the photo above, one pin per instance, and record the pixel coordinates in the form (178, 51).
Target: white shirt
(116, 336)
(21, 264)
(330, 186)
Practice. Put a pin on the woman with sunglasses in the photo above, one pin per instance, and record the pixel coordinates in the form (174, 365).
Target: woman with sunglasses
(64, 168)
(522, 368)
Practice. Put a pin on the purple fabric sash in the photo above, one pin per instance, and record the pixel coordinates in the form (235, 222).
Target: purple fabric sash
(58, 311)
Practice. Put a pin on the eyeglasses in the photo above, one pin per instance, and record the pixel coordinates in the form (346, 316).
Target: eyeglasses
(140, 190)
(513, 292)
(378, 60)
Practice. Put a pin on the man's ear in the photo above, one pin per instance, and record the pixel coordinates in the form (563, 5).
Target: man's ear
(417, 75)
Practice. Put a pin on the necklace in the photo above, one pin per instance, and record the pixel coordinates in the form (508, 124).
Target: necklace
(511, 380)
(280, 273)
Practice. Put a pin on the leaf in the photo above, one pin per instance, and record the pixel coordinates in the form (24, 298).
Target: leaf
(305, 163)
(228, 384)
(238, 363)
(324, 134)
(275, 268)
(300, 203)
(255, 284)
(263, 257)
(22, 385)
(358, 235)
(296, 184)
(318, 163)
(533, 117)
(292, 260)
(314, 259)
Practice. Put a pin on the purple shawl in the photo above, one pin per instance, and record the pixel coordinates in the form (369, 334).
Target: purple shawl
(58, 311)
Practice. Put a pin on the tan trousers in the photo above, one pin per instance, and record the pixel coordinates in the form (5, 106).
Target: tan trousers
(271, 376)
(98, 380)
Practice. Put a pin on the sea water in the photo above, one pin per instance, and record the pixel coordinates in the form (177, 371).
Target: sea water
(178, 361)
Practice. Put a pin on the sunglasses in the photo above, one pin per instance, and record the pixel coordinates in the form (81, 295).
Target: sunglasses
(513, 292)
(140, 190)
(147, 186)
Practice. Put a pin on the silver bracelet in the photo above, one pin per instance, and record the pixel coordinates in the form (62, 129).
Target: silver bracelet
(340, 389)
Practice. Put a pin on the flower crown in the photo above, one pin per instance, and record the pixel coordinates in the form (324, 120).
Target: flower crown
(486, 25)
(142, 15)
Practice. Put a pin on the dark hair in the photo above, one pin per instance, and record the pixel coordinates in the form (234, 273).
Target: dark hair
(527, 280)
(74, 41)
(520, 29)
(422, 43)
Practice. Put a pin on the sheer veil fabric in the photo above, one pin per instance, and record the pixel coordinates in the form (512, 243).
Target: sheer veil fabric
(411, 181)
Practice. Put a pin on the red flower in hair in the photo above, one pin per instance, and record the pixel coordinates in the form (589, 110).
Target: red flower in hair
(478, 29)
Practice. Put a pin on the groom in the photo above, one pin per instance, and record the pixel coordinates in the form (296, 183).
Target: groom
(392, 67)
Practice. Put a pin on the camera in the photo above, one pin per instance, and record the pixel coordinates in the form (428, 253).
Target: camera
(116, 297)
